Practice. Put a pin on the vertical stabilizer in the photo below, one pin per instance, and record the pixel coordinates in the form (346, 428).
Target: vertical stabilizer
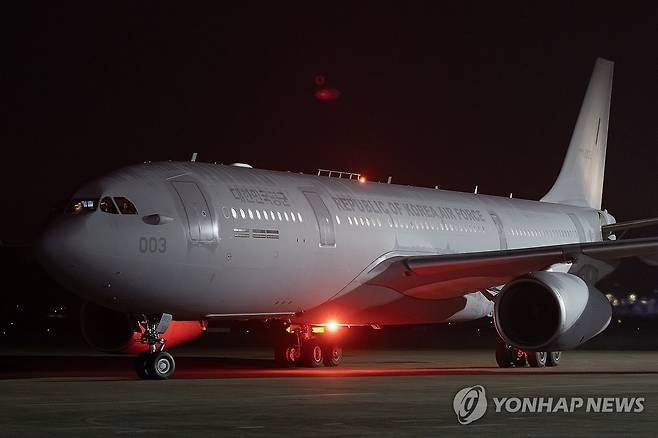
(580, 181)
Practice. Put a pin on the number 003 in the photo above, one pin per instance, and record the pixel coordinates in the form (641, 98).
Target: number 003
(152, 244)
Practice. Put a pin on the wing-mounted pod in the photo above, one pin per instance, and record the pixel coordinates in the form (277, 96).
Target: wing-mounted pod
(550, 311)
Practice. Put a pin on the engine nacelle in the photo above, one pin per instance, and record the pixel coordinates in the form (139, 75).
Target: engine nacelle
(113, 332)
(550, 311)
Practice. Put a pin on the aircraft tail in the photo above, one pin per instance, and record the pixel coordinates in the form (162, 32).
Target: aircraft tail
(580, 181)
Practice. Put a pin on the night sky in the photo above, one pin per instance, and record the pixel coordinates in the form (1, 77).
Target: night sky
(431, 93)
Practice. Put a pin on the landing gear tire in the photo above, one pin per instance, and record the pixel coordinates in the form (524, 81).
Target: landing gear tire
(537, 359)
(553, 358)
(286, 352)
(332, 355)
(160, 365)
(311, 354)
(140, 365)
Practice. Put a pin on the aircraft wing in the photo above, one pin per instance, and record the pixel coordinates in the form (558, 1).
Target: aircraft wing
(624, 227)
(450, 275)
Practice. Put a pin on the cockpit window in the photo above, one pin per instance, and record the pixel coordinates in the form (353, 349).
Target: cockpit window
(107, 205)
(125, 206)
(82, 206)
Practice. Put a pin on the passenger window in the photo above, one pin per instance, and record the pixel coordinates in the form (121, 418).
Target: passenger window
(82, 206)
(107, 205)
(125, 206)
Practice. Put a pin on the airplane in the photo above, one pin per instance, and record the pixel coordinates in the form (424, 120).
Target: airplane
(159, 250)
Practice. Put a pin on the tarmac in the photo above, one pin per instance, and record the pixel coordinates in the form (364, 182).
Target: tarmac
(379, 393)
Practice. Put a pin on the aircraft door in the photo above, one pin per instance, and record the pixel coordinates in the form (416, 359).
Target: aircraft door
(198, 214)
(323, 217)
(501, 230)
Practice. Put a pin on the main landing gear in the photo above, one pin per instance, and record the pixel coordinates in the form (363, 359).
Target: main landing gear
(154, 363)
(510, 356)
(307, 346)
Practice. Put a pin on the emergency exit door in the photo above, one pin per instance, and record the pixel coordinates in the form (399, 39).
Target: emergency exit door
(199, 219)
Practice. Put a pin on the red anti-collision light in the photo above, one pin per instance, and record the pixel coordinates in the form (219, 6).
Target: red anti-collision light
(327, 94)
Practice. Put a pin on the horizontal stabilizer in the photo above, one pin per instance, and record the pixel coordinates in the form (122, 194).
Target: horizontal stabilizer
(629, 225)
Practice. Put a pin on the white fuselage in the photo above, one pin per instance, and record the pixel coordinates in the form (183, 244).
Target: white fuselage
(243, 241)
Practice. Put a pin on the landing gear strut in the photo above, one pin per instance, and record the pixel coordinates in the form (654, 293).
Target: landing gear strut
(154, 363)
(299, 345)
(510, 356)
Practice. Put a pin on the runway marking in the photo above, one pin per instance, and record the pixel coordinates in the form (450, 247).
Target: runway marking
(251, 427)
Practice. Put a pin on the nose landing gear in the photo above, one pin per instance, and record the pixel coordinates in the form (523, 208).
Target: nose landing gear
(154, 363)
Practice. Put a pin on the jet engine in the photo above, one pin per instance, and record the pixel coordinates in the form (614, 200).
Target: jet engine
(114, 332)
(550, 311)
